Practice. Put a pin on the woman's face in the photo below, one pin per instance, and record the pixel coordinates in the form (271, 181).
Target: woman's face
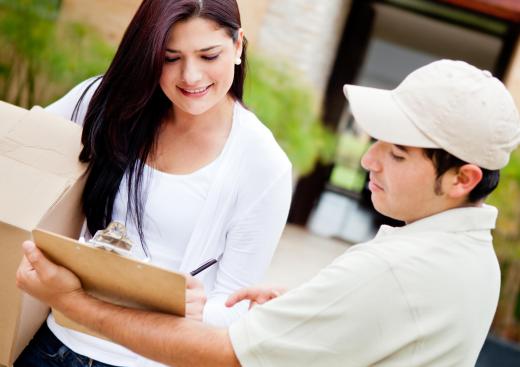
(199, 65)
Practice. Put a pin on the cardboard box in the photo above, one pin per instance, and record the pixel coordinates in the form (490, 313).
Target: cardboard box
(40, 187)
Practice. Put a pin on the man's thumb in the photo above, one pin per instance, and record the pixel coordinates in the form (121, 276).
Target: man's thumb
(32, 254)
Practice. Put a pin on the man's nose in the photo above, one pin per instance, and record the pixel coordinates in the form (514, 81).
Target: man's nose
(370, 160)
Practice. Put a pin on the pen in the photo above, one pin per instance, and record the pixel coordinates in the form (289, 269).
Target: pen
(204, 266)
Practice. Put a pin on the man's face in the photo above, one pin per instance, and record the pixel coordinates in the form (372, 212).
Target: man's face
(402, 182)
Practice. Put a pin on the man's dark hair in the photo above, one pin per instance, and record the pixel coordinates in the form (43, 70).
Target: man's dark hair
(444, 161)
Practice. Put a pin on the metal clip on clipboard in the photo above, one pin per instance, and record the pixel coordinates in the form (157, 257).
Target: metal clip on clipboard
(113, 239)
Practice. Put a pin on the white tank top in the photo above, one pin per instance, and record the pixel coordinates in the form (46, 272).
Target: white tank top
(172, 206)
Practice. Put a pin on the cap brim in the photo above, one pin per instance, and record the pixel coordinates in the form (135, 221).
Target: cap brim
(376, 112)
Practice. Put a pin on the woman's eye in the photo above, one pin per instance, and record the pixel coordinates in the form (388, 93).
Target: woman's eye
(171, 59)
(211, 57)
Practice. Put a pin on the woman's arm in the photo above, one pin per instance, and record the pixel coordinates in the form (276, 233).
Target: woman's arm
(250, 245)
(64, 107)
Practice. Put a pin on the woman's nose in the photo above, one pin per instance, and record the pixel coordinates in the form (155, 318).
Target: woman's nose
(191, 75)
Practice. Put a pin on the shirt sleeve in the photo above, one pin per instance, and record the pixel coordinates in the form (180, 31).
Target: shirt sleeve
(250, 244)
(64, 107)
(333, 320)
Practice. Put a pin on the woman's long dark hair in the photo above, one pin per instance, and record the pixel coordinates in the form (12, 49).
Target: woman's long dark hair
(126, 111)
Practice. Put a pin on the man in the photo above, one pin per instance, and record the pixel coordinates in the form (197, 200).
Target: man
(423, 294)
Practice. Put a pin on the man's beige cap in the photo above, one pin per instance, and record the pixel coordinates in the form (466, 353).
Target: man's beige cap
(447, 104)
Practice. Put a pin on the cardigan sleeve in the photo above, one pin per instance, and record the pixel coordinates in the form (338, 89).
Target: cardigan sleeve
(64, 107)
(250, 244)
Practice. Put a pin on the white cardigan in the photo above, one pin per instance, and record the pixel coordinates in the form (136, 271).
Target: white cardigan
(240, 223)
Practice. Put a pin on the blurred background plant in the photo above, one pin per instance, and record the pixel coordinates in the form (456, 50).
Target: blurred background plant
(507, 245)
(286, 104)
(41, 55)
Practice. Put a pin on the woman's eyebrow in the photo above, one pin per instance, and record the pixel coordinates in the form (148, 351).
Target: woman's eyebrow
(209, 48)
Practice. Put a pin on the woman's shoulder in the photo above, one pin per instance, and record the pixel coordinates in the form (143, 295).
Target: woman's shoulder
(66, 105)
(262, 158)
(258, 140)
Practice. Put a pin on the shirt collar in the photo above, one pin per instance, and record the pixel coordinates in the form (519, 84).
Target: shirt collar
(453, 220)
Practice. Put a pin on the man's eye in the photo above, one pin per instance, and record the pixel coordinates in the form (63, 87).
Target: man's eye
(211, 58)
(171, 59)
(396, 157)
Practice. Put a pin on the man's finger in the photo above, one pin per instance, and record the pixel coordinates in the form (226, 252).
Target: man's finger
(29, 250)
(240, 295)
(38, 261)
(24, 271)
(257, 295)
(25, 265)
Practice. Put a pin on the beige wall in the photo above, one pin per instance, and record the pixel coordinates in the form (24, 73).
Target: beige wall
(111, 17)
(513, 76)
(306, 34)
(253, 14)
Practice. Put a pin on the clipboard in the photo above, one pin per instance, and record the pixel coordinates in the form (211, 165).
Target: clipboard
(114, 278)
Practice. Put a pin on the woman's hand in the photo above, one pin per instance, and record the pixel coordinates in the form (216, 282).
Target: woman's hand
(256, 295)
(195, 298)
(41, 278)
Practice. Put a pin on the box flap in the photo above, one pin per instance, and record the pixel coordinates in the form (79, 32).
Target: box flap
(26, 193)
(66, 216)
(38, 162)
(10, 116)
(43, 141)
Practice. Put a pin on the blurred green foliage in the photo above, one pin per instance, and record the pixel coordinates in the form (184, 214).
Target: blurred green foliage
(285, 103)
(42, 56)
(506, 197)
(507, 244)
(348, 173)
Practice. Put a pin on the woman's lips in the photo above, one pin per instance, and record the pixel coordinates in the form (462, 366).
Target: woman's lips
(195, 92)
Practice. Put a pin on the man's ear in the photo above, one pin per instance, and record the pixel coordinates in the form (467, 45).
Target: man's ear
(464, 180)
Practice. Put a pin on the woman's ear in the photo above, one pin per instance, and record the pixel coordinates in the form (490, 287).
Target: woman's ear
(464, 180)
(239, 43)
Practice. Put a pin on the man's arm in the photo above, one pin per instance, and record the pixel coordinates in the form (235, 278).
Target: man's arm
(165, 338)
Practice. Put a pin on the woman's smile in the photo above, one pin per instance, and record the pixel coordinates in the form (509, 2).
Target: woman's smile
(195, 92)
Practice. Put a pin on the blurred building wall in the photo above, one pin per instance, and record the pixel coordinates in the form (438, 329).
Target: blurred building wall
(513, 76)
(112, 17)
(252, 13)
(306, 34)
(303, 33)
(109, 17)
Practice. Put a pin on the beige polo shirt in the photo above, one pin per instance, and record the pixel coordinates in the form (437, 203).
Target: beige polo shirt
(420, 295)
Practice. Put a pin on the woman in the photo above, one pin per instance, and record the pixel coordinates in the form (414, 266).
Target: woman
(174, 155)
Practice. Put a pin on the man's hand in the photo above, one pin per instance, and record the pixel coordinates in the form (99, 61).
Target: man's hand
(195, 298)
(45, 280)
(256, 295)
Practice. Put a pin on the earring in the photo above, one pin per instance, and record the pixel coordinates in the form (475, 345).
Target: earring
(238, 61)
